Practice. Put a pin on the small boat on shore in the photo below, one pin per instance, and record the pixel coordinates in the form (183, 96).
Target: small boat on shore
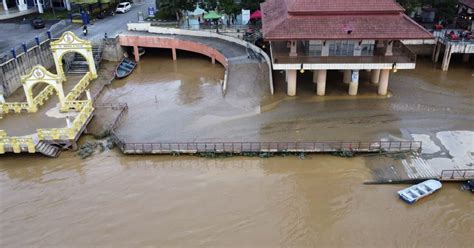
(416, 192)
(125, 68)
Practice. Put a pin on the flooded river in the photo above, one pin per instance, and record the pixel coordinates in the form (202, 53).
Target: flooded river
(111, 200)
(117, 201)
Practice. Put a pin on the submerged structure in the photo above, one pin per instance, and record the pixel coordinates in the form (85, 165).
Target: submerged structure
(345, 35)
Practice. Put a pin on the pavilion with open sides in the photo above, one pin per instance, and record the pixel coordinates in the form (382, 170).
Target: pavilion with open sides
(344, 35)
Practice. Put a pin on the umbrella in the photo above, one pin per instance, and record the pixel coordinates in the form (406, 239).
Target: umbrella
(212, 15)
(256, 15)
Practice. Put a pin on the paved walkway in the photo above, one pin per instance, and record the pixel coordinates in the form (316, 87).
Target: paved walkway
(48, 115)
(14, 13)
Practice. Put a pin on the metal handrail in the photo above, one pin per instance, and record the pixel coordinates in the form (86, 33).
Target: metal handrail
(457, 174)
(239, 147)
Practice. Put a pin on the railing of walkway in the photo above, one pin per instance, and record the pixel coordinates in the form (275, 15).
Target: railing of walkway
(242, 147)
(122, 107)
(459, 174)
(401, 54)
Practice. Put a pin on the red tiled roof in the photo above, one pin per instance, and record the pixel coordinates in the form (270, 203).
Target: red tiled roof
(468, 3)
(295, 6)
(280, 24)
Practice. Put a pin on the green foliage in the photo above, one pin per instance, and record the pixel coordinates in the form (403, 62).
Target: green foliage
(445, 9)
(170, 8)
(57, 15)
(251, 4)
(229, 7)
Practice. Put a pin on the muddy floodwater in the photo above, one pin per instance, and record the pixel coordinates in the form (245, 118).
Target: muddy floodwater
(116, 201)
(112, 200)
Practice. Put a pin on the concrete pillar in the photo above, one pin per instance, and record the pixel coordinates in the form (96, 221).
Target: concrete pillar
(40, 6)
(291, 90)
(286, 76)
(213, 59)
(60, 93)
(446, 58)
(383, 83)
(173, 50)
(325, 49)
(347, 76)
(68, 122)
(389, 49)
(375, 76)
(321, 88)
(68, 4)
(433, 55)
(5, 7)
(293, 51)
(436, 58)
(315, 76)
(354, 84)
(136, 53)
(29, 96)
(465, 57)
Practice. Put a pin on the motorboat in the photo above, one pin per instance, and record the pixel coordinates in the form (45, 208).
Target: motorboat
(416, 192)
(125, 68)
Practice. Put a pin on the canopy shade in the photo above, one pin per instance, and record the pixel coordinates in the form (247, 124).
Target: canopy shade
(212, 15)
(256, 15)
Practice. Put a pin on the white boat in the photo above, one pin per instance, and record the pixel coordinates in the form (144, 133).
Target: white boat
(416, 192)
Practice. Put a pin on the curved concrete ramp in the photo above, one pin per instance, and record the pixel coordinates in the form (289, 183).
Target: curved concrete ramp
(213, 45)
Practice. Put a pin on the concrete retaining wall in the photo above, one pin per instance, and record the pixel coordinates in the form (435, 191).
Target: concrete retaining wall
(112, 50)
(159, 42)
(146, 27)
(11, 70)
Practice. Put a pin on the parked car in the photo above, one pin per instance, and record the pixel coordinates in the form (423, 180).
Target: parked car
(37, 23)
(123, 7)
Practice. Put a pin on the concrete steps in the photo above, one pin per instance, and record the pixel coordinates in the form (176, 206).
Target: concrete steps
(417, 168)
(79, 63)
(48, 150)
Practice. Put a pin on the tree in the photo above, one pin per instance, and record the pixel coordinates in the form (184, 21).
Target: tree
(252, 5)
(445, 9)
(229, 7)
(174, 7)
(410, 5)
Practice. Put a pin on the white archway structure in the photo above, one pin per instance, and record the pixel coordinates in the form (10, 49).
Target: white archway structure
(39, 74)
(69, 42)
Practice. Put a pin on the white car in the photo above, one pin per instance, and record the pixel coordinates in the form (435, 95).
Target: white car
(123, 7)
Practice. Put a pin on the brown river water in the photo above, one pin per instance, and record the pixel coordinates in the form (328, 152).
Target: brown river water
(133, 201)
(111, 200)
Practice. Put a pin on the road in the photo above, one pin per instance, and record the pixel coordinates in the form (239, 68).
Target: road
(113, 25)
(14, 34)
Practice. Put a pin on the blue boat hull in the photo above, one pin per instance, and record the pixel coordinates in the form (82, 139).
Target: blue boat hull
(125, 68)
